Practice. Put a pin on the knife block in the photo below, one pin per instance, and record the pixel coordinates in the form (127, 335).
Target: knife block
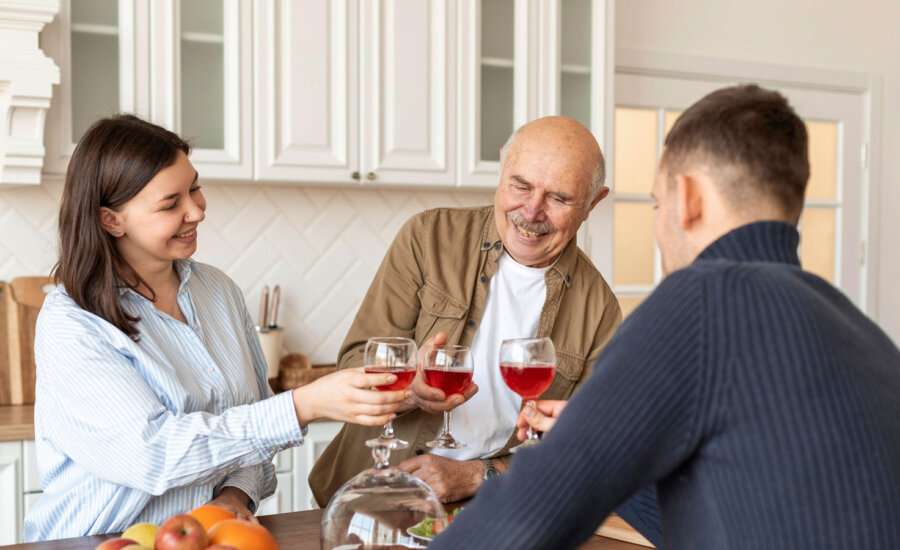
(20, 303)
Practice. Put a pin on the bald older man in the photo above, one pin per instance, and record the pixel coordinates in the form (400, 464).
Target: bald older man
(477, 276)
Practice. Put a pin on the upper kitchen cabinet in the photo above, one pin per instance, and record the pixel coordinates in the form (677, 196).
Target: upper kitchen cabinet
(201, 81)
(182, 64)
(356, 91)
(524, 59)
(96, 44)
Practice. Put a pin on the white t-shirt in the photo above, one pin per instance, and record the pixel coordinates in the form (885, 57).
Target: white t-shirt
(515, 299)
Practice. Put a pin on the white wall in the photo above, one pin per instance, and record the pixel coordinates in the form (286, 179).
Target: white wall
(861, 36)
(321, 245)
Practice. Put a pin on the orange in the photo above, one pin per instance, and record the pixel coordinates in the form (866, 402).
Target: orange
(210, 514)
(243, 535)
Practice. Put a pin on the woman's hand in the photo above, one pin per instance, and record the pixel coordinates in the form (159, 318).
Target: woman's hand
(346, 396)
(235, 501)
(541, 418)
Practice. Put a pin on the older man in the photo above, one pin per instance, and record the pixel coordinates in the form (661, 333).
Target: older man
(761, 402)
(476, 276)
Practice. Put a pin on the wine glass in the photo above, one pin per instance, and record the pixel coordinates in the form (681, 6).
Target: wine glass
(528, 366)
(449, 369)
(396, 356)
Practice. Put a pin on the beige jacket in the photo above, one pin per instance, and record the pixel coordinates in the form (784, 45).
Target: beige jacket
(435, 278)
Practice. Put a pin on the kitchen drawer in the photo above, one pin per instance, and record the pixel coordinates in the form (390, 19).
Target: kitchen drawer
(31, 479)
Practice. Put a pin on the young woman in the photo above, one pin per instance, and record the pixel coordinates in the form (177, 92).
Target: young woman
(152, 396)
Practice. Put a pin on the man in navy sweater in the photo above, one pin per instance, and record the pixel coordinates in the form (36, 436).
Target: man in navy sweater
(761, 403)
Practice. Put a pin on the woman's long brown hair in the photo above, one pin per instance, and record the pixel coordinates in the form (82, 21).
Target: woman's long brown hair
(114, 160)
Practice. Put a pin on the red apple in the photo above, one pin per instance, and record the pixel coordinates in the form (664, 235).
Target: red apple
(114, 544)
(181, 532)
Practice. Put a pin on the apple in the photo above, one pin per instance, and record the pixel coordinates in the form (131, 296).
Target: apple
(181, 532)
(143, 534)
(115, 544)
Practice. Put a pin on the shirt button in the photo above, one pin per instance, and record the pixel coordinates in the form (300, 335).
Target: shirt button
(486, 245)
(419, 451)
(496, 246)
(568, 279)
(483, 279)
(471, 323)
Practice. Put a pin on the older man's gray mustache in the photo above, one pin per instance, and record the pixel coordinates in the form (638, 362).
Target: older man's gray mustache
(541, 228)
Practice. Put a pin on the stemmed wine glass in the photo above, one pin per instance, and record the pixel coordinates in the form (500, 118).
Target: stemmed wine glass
(396, 356)
(528, 366)
(449, 369)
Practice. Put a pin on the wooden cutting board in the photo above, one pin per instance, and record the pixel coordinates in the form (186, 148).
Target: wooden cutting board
(617, 528)
(20, 303)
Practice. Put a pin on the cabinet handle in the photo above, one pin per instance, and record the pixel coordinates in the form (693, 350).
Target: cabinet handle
(355, 175)
(370, 176)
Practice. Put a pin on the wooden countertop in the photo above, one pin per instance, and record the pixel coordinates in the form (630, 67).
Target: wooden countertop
(16, 422)
(294, 531)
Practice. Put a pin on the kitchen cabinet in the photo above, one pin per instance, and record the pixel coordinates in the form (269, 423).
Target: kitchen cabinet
(10, 492)
(379, 92)
(355, 92)
(184, 65)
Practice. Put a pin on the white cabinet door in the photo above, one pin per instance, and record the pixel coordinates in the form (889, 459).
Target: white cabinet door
(319, 436)
(306, 90)
(201, 81)
(280, 501)
(408, 91)
(10, 492)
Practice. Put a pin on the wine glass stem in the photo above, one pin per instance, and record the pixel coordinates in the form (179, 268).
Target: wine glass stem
(446, 423)
(388, 430)
(530, 432)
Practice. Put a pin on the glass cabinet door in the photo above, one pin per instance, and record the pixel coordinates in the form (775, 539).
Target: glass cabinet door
(575, 60)
(203, 73)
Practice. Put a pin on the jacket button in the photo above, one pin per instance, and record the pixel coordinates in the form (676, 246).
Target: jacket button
(486, 245)
(419, 451)
(483, 279)
(471, 323)
(497, 246)
(568, 279)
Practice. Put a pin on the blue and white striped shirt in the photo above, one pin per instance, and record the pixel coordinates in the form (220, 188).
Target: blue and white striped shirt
(130, 432)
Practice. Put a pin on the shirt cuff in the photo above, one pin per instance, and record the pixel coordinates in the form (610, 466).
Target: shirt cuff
(275, 424)
(247, 480)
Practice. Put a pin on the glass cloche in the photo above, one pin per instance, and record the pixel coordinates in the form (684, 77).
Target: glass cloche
(376, 509)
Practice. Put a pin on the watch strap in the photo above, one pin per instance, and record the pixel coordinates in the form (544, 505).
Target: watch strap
(489, 470)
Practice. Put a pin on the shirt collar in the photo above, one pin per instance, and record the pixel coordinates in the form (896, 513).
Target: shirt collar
(765, 241)
(564, 265)
(184, 268)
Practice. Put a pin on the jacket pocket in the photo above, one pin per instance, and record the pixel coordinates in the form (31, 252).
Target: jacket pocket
(439, 311)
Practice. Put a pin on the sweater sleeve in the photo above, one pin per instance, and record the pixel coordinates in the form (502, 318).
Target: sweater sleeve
(632, 423)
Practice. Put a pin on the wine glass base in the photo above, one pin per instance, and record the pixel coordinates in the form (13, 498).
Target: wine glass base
(445, 443)
(389, 443)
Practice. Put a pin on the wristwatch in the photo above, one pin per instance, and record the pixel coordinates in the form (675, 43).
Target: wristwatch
(489, 470)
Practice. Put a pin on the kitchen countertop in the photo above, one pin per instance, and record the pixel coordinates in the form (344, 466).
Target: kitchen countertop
(16, 422)
(294, 531)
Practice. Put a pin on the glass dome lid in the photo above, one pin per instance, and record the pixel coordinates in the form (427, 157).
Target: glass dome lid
(376, 509)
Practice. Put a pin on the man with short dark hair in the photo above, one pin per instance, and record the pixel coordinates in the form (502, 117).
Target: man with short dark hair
(761, 403)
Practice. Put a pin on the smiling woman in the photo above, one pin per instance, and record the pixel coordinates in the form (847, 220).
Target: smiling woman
(151, 394)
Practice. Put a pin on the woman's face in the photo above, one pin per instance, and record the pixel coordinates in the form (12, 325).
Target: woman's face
(159, 224)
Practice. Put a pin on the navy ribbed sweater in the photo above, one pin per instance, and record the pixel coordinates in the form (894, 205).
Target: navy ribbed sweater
(759, 400)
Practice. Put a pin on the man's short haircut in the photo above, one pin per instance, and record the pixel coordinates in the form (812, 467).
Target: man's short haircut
(597, 178)
(748, 136)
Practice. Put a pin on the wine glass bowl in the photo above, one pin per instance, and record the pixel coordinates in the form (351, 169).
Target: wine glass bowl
(397, 356)
(449, 369)
(528, 366)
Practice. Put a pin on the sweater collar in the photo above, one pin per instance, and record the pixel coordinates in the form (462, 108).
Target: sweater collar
(766, 241)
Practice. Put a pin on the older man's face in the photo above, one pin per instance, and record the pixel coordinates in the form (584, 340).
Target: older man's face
(543, 196)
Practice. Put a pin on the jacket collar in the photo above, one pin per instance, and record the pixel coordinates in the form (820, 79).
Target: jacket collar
(564, 266)
(766, 241)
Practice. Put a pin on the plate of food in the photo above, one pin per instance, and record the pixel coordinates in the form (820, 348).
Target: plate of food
(428, 528)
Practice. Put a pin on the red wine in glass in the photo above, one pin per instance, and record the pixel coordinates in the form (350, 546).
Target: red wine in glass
(448, 381)
(404, 377)
(528, 381)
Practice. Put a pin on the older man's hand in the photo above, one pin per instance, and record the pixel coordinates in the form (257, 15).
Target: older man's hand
(433, 400)
(451, 480)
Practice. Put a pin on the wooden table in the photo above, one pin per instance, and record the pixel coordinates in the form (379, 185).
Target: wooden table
(293, 531)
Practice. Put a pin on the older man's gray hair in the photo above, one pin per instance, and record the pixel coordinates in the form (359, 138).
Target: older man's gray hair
(597, 178)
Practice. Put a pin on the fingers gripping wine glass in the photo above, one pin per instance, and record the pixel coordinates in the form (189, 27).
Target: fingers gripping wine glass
(449, 369)
(528, 366)
(397, 356)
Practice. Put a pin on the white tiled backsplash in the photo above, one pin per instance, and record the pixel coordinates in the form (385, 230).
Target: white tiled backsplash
(321, 245)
